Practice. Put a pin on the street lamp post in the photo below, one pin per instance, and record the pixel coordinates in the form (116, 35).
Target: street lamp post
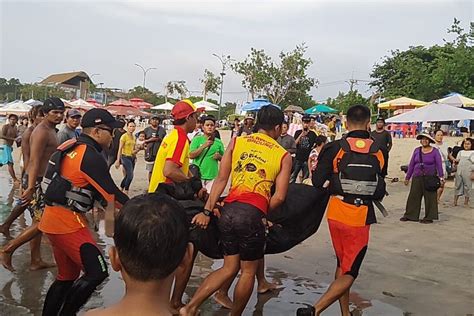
(144, 73)
(224, 61)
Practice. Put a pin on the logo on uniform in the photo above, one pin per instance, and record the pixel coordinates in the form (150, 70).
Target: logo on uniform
(360, 143)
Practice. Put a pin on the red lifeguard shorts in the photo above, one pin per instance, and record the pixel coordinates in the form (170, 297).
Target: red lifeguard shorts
(350, 244)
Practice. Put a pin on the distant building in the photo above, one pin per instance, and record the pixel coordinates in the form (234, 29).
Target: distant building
(74, 83)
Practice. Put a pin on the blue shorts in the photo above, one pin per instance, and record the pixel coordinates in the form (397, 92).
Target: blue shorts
(6, 157)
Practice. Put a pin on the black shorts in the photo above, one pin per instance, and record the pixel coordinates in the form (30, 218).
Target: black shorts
(242, 230)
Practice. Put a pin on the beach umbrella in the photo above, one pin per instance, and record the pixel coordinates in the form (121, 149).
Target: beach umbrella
(125, 110)
(140, 103)
(256, 105)
(82, 105)
(401, 103)
(294, 108)
(94, 101)
(16, 107)
(163, 107)
(320, 108)
(121, 102)
(433, 112)
(456, 99)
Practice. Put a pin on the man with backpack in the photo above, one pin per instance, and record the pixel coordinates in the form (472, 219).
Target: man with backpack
(351, 169)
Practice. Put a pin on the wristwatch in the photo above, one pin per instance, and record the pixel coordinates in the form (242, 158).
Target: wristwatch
(207, 212)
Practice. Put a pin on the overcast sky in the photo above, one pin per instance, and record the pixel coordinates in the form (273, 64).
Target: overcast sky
(344, 39)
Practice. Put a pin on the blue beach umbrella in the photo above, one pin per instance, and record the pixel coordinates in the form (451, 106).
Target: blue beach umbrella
(320, 108)
(257, 104)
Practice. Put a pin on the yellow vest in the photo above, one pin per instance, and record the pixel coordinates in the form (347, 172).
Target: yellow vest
(256, 162)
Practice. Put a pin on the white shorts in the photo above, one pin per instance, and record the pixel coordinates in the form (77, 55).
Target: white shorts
(149, 166)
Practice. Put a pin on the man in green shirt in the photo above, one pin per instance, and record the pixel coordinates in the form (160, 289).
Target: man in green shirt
(206, 152)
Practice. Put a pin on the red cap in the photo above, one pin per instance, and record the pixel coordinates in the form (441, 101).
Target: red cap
(183, 109)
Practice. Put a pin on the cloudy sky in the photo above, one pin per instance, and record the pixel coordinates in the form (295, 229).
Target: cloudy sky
(179, 38)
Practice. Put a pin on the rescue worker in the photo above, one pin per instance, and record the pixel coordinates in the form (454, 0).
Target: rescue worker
(257, 163)
(172, 166)
(350, 212)
(76, 177)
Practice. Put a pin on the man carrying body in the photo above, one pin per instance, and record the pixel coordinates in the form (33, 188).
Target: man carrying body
(82, 178)
(349, 214)
(8, 137)
(383, 138)
(154, 134)
(305, 140)
(172, 166)
(257, 162)
(68, 131)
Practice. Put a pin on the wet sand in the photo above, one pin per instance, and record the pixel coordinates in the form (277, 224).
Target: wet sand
(409, 269)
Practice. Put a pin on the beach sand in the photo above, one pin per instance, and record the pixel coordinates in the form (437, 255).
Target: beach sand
(418, 269)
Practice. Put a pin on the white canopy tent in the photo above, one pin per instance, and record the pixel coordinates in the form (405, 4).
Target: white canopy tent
(458, 100)
(163, 107)
(207, 105)
(433, 112)
(33, 102)
(18, 107)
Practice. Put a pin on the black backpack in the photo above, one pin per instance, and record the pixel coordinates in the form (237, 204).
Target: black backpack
(357, 170)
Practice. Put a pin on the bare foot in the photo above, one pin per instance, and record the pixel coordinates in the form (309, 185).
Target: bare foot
(41, 265)
(5, 231)
(266, 286)
(6, 260)
(223, 299)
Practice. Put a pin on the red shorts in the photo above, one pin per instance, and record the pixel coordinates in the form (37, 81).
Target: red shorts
(67, 252)
(350, 244)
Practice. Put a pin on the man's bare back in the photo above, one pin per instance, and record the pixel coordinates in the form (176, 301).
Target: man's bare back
(43, 143)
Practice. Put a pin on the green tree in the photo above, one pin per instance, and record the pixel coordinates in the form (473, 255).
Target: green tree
(345, 100)
(211, 83)
(177, 88)
(9, 89)
(429, 73)
(284, 82)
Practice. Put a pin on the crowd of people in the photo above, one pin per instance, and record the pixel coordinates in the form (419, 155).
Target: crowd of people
(66, 174)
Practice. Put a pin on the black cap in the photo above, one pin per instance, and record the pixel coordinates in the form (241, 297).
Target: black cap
(96, 117)
(380, 119)
(306, 118)
(53, 104)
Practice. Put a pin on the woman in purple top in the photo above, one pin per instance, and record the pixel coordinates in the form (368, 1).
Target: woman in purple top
(432, 165)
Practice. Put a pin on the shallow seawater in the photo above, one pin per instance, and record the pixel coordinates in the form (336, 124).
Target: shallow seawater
(23, 292)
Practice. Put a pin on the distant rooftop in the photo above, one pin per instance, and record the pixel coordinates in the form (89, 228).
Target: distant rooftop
(67, 78)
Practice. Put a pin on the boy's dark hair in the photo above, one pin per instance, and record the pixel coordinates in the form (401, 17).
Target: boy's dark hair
(320, 139)
(358, 114)
(208, 118)
(268, 117)
(12, 115)
(131, 121)
(151, 235)
(436, 131)
(285, 123)
(141, 132)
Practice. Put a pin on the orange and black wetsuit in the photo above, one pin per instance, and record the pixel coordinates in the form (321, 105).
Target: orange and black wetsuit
(74, 247)
(349, 224)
